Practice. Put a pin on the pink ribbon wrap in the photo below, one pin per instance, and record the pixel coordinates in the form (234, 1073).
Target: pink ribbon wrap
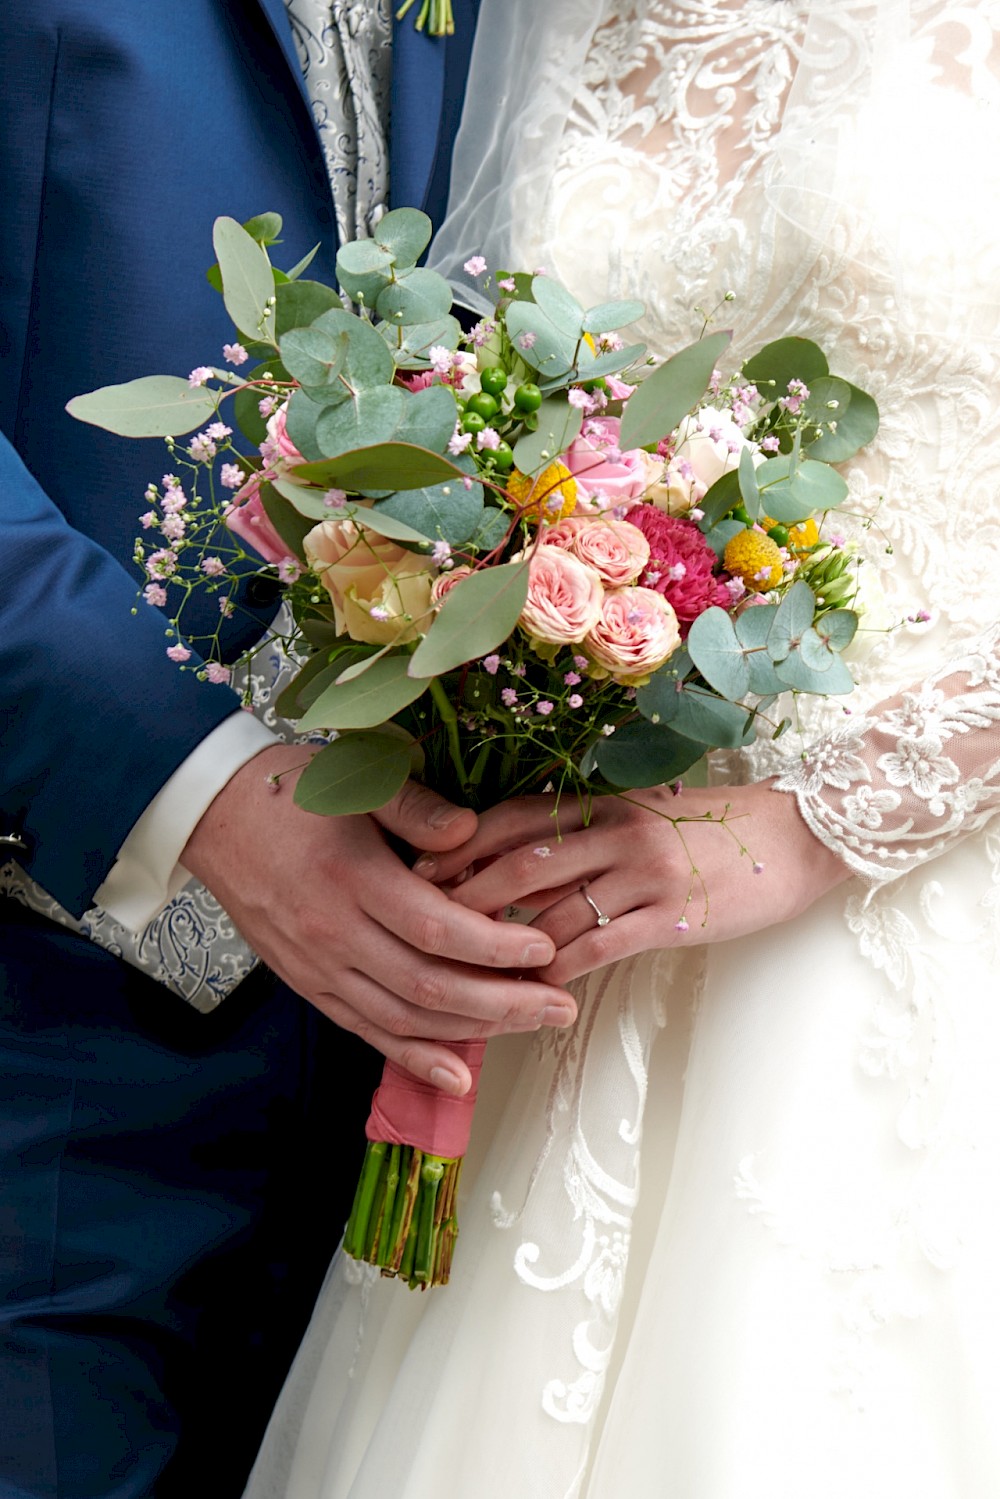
(406, 1111)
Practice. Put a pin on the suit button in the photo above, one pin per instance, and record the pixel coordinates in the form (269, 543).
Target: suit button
(263, 591)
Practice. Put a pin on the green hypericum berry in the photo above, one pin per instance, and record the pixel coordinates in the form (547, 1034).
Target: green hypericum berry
(494, 380)
(473, 422)
(503, 457)
(740, 513)
(779, 535)
(527, 397)
(591, 385)
(482, 404)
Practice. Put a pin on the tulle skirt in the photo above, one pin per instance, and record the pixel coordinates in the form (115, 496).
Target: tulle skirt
(737, 1236)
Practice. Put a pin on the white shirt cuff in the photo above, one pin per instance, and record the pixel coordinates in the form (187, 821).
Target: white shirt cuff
(147, 873)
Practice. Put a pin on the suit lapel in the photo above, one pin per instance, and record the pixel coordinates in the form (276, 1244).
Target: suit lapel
(277, 19)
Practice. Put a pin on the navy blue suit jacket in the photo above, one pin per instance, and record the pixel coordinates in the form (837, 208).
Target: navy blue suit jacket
(112, 180)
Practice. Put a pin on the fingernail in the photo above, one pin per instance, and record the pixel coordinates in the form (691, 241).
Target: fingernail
(443, 817)
(556, 1015)
(536, 954)
(448, 1082)
(425, 866)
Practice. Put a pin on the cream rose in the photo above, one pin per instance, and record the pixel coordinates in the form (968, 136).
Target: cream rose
(380, 592)
(636, 633)
(708, 445)
(564, 597)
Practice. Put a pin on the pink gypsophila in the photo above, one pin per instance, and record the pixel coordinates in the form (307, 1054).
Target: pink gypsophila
(675, 543)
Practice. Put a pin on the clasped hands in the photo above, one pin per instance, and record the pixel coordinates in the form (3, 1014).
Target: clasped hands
(411, 959)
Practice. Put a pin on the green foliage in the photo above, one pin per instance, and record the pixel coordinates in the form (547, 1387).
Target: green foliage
(247, 282)
(791, 491)
(671, 391)
(299, 303)
(448, 512)
(405, 233)
(286, 520)
(385, 466)
(152, 406)
(477, 615)
(854, 413)
(717, 653)
(367, 700)
(414, 297)
(608, 317)
(559, 424)
(786, 359)
(645, 754)
(358, 772)
(314, 357)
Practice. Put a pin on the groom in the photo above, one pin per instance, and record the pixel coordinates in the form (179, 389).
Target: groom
(173, 1182)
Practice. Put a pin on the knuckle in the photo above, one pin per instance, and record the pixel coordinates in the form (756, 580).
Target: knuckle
(397, 1023)
(409, 1057)
(430, 989)
(431, 934)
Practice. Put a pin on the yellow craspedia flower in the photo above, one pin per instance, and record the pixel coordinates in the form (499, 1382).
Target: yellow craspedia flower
(801, 538)
(549, 496)
(756, 559)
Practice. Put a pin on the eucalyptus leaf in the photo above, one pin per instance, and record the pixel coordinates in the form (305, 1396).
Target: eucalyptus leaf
(591, 368)
(491, 531)
(851, 411)
(721, 535)
(414, 297)
(370, 416)
(405, 233)
(429, 418)
(313, 357)
(360, 257)
(791, 493)
(265, 228)
(356, 773)
(367, 700)
(302, 265)
(717, 653)
(645, 754)
(446, 512)
(477, 615)
(752, 629)
(559, 424)
(747, 476)
(838, 627)
(369, 362)
(720, 499)
(300, 303)
(833, 682)
(246, 402)
(538, 341)
(783, 360)
(291, 701)
(559, 305)
(410, 346)
(247, 282)
(793, 617)
(608, 317)
(301, 416)
(387, 466)
(659, 700)
(671, 391)
(712, 720)
(152, 406)
(815, 652)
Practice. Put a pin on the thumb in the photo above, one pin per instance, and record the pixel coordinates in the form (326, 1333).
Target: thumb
(426, 820)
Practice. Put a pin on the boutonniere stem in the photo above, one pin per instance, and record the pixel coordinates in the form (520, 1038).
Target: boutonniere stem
(436, 16)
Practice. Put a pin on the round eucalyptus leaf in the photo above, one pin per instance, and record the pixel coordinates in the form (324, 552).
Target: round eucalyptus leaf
(712, 721)
(360, 257)
(559, 424)
(491, 530)
(301, 417)
(444, 512)
(792, 619)
(659, 700)
(752, 629)
(299, 303)
(370, 417)
(560, 306)
(538, 341)
(411, 351)
(838, 627)
(405, 233)
(833, 682)
(369, 363)
(415, 297)
(645, 754)
(783, 360)
(429, 418)
(791, 493)
(608, 317)
(848, 416)
(314, 357)
(815, 652)
(721, 535)
(718, 654)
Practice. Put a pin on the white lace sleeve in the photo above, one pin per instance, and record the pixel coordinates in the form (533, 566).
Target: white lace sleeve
(917, 773)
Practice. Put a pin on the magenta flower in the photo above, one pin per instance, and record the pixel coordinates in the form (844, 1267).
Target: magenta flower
(675, 543)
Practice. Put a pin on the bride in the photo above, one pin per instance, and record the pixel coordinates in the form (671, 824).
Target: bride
(736, 1235)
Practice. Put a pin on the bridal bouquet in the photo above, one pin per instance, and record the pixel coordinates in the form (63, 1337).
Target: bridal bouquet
(525, 556)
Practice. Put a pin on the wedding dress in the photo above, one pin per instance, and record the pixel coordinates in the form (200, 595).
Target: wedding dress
(736, 1234)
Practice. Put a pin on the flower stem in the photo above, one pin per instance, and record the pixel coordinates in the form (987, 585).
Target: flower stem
(450, 720)
(404, 1218)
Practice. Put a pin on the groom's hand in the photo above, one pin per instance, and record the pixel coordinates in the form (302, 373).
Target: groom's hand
(337, 914)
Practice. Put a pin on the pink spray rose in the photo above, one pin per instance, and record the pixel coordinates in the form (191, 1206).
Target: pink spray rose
(636, 633)
(681, 564)
(247, 519)
(445, 582)
(605, 475)
(616, 550)
(380, 592)
(279, 444)
(564, 597)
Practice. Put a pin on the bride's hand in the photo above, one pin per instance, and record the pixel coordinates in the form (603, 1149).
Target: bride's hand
(661, 883)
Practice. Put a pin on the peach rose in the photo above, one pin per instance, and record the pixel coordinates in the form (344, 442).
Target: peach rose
(380, 592)
(615, 549)
(445, 582)
(636, 633)
(247, 519)
(564, 597)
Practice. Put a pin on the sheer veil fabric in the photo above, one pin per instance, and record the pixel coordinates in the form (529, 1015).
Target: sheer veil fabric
(735, 1236)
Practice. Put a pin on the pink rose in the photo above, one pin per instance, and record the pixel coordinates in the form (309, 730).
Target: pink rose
(564, 597)
(278, 435)
(416, 379)
(445, 582)
(616, 551)
(380, 592)
(247, 518)
(636, 633)
(605, 475)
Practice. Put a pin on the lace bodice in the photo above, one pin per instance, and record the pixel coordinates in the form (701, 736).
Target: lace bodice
(667, 163)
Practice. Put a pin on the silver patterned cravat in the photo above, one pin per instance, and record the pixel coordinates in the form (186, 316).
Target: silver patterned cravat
(192, 946)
